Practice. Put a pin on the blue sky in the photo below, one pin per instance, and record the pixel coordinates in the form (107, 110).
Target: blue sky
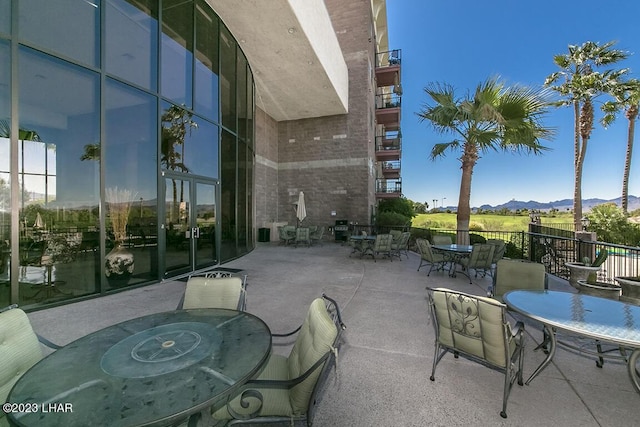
(463, 42)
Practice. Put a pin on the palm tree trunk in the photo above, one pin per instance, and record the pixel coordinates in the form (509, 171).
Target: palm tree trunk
(632, 113)
(577, 166)
(463, 216)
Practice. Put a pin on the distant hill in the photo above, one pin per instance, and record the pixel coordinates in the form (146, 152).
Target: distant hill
(561, 205)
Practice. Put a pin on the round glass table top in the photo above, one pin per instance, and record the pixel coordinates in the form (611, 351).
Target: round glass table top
(153, 370)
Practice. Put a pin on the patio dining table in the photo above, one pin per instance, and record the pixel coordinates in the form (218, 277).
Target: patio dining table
(454, 253)
(155, 370)
(596, 318)
(362, 244)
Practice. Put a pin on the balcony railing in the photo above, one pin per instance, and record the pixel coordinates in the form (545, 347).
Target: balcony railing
(391, 165)
(388, 100)
(390, 141)
(389, 58)
(389, 187)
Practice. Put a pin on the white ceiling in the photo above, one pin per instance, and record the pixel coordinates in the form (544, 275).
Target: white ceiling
(294, 53)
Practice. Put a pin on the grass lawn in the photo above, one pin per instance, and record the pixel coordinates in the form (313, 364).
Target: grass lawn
(489, 222)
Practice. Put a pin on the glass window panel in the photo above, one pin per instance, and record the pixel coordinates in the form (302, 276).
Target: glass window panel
(250, 88)
(242, 197)
(5, 16)
(228, 79)
(177, 50)
(59, 110)
(189, 143)
(32, 156)
(242, 95)
(131, 40)
(228, 201)
(131, 172)
(207, 63)
(68, 27)
(5, 105)
(250, 229)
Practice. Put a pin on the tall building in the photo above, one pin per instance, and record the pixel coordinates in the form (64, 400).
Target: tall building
(142, 139)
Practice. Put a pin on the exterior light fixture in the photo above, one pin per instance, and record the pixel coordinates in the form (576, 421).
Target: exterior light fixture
(585, 223)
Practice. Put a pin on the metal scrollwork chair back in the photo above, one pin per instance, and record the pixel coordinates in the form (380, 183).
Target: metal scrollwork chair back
(287, 388)
(476, 328)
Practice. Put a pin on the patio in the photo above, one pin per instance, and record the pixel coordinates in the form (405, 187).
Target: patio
(387, 351)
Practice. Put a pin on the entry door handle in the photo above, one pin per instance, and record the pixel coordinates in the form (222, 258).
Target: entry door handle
(195, 232)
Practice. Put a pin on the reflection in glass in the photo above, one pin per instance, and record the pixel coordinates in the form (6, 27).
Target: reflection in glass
(59, 209)
(249, 136)
(242, 95)
(5, 16)
(242, 194)
(205, 210)
(130, 165)
(177, 225)
(189, 144)
(131, 39)
(51, 27)
(228, 79)
(177, 50)
(206, 86)
(228, 202)
(249, 198)
(5, 182)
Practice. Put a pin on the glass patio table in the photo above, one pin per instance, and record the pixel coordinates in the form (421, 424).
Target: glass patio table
(155, 370)
(362, 244)
(587, 316)
(454, 253)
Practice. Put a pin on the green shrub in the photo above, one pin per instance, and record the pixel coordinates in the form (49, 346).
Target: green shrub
(391, 219)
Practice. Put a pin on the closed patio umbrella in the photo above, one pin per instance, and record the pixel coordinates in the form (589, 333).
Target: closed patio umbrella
(301, 211)
(39, 222)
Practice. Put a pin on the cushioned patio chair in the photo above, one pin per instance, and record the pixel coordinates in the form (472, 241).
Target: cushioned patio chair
(514, 274)
(302, 236)
(316, 236)
(287, 389)
(381, 246)
(401, 245)
(441, 239)
(19, 350)
(287, 234)
(428, 256)
(498, 253)
(208, 291)
(479, 260)
(476, 328)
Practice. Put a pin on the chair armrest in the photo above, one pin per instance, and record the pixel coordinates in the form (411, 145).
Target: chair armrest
(48, 343)
(295, 381)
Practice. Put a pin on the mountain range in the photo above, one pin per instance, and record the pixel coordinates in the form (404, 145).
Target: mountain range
(561, 205)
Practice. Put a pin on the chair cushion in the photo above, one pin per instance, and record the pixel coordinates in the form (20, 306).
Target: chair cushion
(518, 274)
(212, 292)
(473, 325)
(316, 337)
(19, 350)
(275, 401)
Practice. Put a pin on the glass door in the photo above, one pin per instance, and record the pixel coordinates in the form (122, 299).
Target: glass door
(190, 224)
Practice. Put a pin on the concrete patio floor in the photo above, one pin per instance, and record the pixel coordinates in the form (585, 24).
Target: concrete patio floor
(387, 352)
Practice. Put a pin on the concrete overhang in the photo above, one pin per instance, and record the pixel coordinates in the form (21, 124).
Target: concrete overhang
(293, 51)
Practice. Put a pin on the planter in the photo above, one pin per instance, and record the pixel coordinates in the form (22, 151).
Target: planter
(118, 266)
(600, 289)
(630, 289)
(579, 271)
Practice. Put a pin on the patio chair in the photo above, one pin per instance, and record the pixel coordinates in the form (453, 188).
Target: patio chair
(208, 291)
(480, 260)
(381, 246)
(428, 256)
(287, 389)
(498, 253)
(476, 328)
(303, 236)
(316, 237)
(441, 239)
(19, 350)
(287, 234)
(401, 245)
(513, 274)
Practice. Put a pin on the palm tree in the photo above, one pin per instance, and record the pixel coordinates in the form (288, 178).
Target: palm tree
(582, 84)
(627, 97)
(495, 118)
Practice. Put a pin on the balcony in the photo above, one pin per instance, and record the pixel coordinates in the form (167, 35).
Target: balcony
(388, 188)
(388, 68)
(389, 146)
(391, 169)
(388, 109)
